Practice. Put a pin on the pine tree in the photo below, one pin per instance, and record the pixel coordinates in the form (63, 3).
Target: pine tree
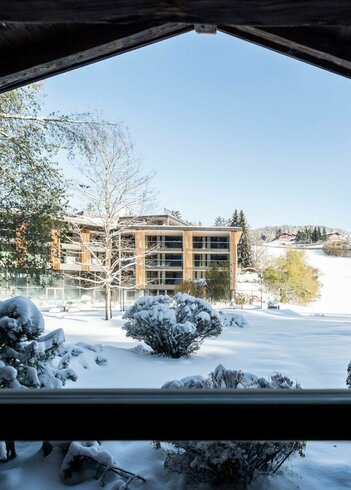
(218, 282)
(307, 234)
(299, 236)
(176, 213)
(220, 221)
(324, 234)
(244, 247)
(234, 221)
(314, 235)
(320, 234)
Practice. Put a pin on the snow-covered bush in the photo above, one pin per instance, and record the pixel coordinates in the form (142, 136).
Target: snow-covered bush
(229, 461)
(20, 312)
(348, 379)
(174, 327)
(84, 460)
(27, 358)
(233, 320)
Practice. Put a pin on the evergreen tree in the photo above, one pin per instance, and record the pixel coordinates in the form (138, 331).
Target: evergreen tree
(314, 235)
(310, 232)
(176, 213)
(299, 236)
(244, 247)
(324, 234)
(234, 221)
(32, 186)
(220, 221)
(218, 282)
(196, 288)
(319, 233)
(307, 234)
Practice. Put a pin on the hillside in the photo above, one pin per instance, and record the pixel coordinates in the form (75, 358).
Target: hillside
(271, 231)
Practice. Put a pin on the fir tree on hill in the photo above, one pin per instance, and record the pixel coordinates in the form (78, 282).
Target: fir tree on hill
(244, 247)
(220, 221)
(234, 221)
(238, 219)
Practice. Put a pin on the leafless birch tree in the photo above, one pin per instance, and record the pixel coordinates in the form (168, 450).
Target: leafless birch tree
(116, 191)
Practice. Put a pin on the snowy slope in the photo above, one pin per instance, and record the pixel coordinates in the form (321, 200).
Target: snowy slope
(335, 276)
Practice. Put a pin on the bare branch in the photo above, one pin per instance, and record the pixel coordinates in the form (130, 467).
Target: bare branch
(117, 191)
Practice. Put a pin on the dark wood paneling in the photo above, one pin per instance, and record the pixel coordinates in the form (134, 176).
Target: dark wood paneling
(56, 49)
(324, 47)
(239, 12)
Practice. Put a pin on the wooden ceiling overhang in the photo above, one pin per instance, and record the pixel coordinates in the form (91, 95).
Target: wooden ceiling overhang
(41, 38)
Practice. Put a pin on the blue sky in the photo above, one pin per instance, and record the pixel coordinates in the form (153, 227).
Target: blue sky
(226, 124)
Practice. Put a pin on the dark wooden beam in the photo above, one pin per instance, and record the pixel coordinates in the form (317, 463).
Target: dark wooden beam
(52, 49)
(324, 47)
(238, 12)
(161, 414)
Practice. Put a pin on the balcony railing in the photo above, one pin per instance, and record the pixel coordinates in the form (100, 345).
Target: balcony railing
(166, 264)
(221, 414)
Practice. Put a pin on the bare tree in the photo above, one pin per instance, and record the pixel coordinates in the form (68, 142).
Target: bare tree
(260, 255)
(116, 191)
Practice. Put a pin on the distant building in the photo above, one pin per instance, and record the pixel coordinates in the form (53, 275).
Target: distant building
(179, 252)
(335, 236)
(286, 237)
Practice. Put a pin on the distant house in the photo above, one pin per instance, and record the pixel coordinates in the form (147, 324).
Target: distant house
(286, 237)
(334, 236)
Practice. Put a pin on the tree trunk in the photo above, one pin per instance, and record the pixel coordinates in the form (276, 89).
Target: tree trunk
(108, 305)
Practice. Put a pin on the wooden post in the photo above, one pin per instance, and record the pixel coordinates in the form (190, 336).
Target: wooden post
(187, 255)
(85, 258)
(233, 257)
(55, 250)
(140, 259)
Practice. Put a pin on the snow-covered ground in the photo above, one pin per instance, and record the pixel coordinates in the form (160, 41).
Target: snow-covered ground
(310, 348)
(311, 345)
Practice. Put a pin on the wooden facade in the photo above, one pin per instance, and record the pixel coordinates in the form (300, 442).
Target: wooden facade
(55, 250)
(140, 259)
(173, 257)
(85, 257)
(187, 255)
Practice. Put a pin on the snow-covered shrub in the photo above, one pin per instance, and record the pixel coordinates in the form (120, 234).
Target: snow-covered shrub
(233, 320)
(28, 317)
(229, 461)
(173, 327)
(85, 460)
(27, 358)
(348, 379)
